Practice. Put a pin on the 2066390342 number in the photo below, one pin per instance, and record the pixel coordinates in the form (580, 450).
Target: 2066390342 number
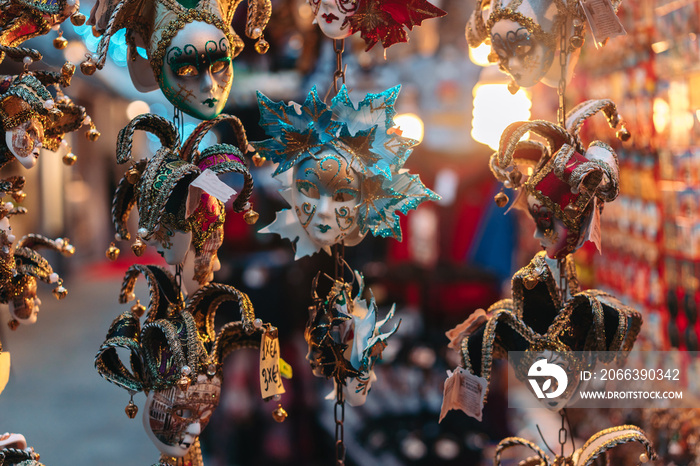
(639, 374)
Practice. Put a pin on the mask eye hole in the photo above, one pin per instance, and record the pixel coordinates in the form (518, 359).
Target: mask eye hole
(187, 71)
(308, 189)
(219, 66)
(344, 195)
(183, 413)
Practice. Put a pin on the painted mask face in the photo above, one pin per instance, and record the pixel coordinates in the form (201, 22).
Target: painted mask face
(325, 194)
(174, 418)
(25, 307)
(551, 232)
(197, 70)
(357, 388)
(24, 142)
(332, 16)
(521, 55)
(171, 244)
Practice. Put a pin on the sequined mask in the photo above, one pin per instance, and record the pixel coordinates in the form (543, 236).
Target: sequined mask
(522, 54)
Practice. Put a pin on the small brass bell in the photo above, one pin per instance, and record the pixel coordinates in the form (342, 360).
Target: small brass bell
(515, 177)
(69, 159)
(13, 324)
(492, 57)
(258, 161)
(88, 68)
(513, 87)
(262, 46)
(77, 19)
(138, 309)
(530, 281)
(60, 292)
(95, 32)
(131, 409)
(183, 383)
(279, 414)
(501, 199)
(133, 175)
(19, 196)
(623, 134)
(112, 252)
(92, 134)
(68, 69)
(60, 42)
(576, 41)
(138, 247)
(251, 217)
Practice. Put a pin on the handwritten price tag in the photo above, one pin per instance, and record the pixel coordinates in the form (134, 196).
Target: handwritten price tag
(270, 376)
(4, 369)
(463, 391)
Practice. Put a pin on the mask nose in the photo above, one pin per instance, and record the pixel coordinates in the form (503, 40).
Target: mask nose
(194, 429)
(207, 82)
(324, 206)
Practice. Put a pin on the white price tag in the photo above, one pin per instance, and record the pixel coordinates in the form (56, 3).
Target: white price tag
(463, 391)
(270, 376)
(603, 20)
(208, 182)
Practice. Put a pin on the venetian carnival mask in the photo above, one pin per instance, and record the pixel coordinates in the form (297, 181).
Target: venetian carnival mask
(197, 71)
(171, 243)
(174, 418)
(551, 232)
(333, 16)
(325, 195)
(25, 142)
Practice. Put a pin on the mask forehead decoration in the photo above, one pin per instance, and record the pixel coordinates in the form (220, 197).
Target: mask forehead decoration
(154, 25)
(176, 356)
(160, 187)
(364, 136)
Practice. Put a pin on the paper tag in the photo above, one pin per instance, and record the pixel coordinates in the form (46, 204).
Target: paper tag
(463, 391)
(603, 20)
(4, 369)
(270, 377)
(285, 369)
(212, 185)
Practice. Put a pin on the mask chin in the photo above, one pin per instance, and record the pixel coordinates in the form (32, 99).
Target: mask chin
(179, 247)
(170, 450)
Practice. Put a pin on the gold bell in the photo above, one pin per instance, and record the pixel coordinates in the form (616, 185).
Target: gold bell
(131, 409)
(68, 69)
(138, 247)
(133, 175)
(251, 217)
(501, 199)
(279, 414)
(60, 42)
(19, 196)
(576, 41)
(92, 134)
(513, 87)
(95, 32)
(492, 57)
(530, 281)
(112, 252)
(515, 177)
(88, 68)
(77, 19)
(623, 134)
(138, 309)
(262, 46)
(13, 324)
(258, 161)
(183, 383)
(69, 159)
(60, 292)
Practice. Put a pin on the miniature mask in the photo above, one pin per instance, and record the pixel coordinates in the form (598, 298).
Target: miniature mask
(25, 142)
(332, 16)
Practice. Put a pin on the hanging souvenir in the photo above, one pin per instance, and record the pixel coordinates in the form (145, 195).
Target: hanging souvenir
(177, 192)
(21, 20)
(376, 20)
(176, 357)
(345, 340)
(594, 447)
(32, 119)
(14, 451)
(341, 168)
(531, 40)
(563, 187)
(189, 45)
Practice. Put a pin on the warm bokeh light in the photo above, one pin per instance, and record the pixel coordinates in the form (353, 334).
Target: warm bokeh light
(480, 55)
(662, 114)
(411, 125)
(494, 109)
(136, 108)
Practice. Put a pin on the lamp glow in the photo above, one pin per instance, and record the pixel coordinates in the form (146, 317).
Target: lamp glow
(480, 55)
(136, 108)
(494, 109)
(411, 126)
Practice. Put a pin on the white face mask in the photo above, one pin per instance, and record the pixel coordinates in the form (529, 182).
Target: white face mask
(325, 195)
(174, 419)
(521, 55)
(197, 71)
(24, 142)
(25, 307)
(357, 388)
(333, 16)
(171, 244)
